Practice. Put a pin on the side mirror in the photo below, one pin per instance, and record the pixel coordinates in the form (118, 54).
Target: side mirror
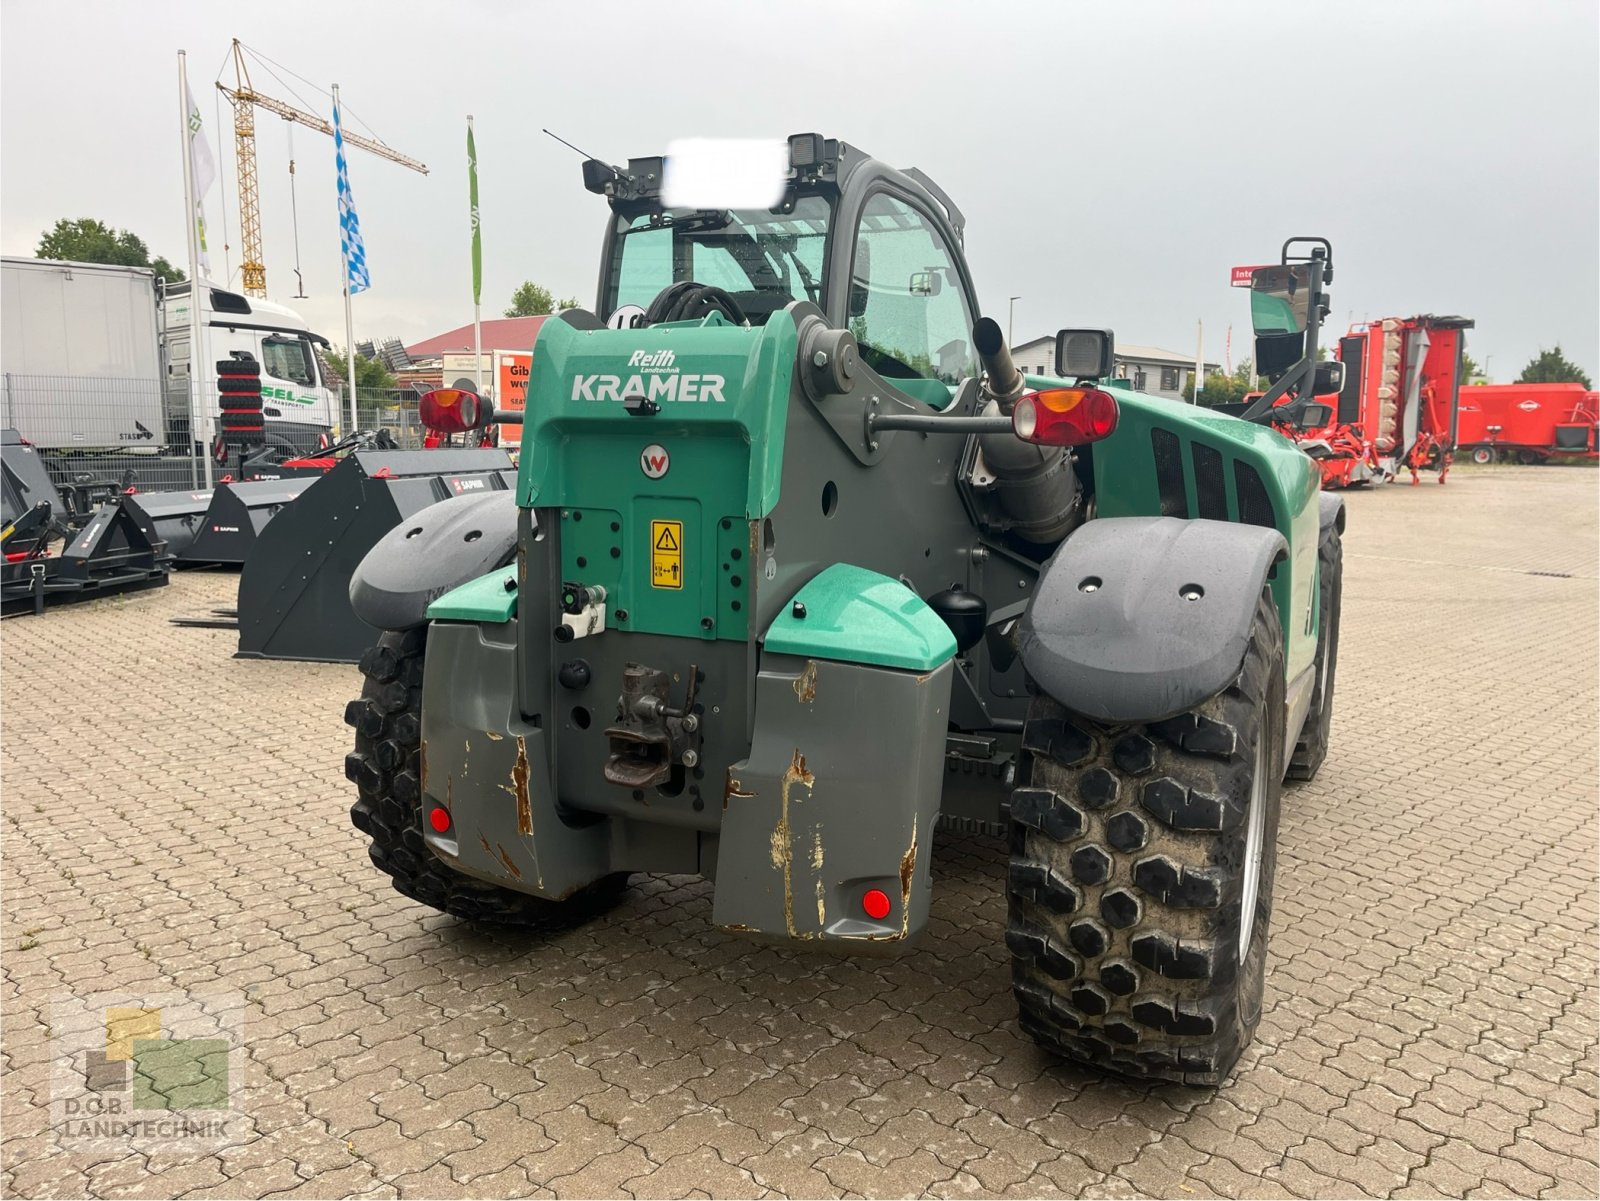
(1314, 416)
(1276, 353)
(1280, 298)
(1329, 378)
(926, 283)
(1085, 353)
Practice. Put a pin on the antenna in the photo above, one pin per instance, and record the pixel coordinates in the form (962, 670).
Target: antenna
(585, 153)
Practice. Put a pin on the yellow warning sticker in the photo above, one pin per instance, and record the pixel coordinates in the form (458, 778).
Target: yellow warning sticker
(666, 554)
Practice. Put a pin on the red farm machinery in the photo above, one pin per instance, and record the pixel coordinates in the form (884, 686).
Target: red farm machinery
(1528, 423)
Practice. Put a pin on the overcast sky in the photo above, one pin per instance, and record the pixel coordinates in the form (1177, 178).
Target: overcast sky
(1114, 159)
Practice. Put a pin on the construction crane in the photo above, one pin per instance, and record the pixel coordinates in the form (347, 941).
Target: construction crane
(244, 99)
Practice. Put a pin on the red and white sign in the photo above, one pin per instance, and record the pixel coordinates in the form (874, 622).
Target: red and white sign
(1241, 277)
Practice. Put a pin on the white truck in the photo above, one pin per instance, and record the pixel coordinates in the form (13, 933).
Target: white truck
(96, 370)
(297, 401)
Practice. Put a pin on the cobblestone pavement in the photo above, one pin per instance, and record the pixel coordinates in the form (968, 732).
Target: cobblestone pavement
(176, 820)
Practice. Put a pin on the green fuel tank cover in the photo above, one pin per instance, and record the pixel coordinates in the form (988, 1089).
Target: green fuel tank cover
(491, 597)
(858, 616)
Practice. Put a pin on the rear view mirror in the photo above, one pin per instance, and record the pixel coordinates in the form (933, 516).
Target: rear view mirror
(1085, 353)
(1329, 378)
(926, 283)
(1276, 353)
(1280, 298)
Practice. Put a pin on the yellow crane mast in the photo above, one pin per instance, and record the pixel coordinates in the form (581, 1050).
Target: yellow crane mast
(244, 99)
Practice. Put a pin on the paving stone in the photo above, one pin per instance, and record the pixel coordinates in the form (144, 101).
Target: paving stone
(1429, 1011)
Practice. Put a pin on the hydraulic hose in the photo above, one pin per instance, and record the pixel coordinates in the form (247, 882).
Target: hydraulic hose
(689, 301)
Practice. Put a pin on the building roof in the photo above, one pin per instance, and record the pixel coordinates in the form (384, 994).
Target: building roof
(499, 333)
(1152, 354)
(1126, 352)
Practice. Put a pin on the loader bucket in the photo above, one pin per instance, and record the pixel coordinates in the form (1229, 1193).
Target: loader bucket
(294, 591)
(176, 517)
(236, 516)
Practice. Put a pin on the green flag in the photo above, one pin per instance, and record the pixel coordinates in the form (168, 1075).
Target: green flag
(477, 237)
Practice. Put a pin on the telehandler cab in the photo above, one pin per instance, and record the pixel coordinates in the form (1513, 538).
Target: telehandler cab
(801, 573)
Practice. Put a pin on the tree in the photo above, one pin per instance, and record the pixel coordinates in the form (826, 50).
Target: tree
(535, 300)
(1471, 373)
(89, 241)
(371, 374)
(1225, 389)
(1553, 367)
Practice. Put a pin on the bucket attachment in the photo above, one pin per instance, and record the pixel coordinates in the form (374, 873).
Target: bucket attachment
(294, 591)
(235, 518)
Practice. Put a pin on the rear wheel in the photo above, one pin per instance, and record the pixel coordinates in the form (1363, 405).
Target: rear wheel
(1312, 747)
(385, 767)
(1140, 884)
(1483, 455)
(1529, 457)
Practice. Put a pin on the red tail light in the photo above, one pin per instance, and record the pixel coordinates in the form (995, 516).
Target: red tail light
(449, 410)
(1064, 416)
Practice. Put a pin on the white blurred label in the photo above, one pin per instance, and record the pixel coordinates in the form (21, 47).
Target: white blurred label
(725, 173)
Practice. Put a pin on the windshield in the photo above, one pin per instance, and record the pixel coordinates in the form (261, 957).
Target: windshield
(763, 259)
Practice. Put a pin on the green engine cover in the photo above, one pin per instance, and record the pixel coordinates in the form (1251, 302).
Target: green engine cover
(657, 504)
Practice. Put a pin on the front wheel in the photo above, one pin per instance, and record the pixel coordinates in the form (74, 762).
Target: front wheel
(1483, 455)
(1140, 883)
(386, 769)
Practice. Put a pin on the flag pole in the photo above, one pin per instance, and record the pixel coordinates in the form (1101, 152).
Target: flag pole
(349, 322)
(477, 265)
(1199, 361)
(196, 330)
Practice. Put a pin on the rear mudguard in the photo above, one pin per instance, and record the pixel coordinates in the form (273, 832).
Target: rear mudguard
(421, 559)
(1137, 619)
(1330, 511)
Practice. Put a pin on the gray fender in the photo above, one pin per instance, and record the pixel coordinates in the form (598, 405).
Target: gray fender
(1110, 634)
(430, 553)
(1330, 511)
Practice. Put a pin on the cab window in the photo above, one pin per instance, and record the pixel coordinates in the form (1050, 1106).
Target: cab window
(907, 307)
(288, 358)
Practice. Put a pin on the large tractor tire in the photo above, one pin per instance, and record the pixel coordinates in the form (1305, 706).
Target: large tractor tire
(385, 767)
(1312, 746)
(1142, 863)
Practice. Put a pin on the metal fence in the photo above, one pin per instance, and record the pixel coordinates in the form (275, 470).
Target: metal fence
(103, 433)
(127, 432)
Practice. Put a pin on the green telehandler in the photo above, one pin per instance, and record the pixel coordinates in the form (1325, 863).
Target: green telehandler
(801, 573)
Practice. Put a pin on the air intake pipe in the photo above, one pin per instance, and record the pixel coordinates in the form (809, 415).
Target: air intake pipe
(1035, 485)
(1004, 380)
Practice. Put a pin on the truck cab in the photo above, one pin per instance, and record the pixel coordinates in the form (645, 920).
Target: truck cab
(299, 402)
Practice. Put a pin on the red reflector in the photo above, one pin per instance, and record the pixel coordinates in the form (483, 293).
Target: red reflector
(1064, 416)
(439, 819)
(876, 904)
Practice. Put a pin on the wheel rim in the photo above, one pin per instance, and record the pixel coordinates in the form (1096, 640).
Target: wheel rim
(1254, 848)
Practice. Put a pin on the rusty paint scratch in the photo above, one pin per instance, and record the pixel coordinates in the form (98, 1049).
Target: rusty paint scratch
(519, 780)
(908, 866)
(732, 788)
(782, 849)
(805, 684)
(494, 736)
(816, 851)
(506, 859)
(822, 909)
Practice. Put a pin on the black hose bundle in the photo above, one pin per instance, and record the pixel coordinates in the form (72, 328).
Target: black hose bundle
(689, 301)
